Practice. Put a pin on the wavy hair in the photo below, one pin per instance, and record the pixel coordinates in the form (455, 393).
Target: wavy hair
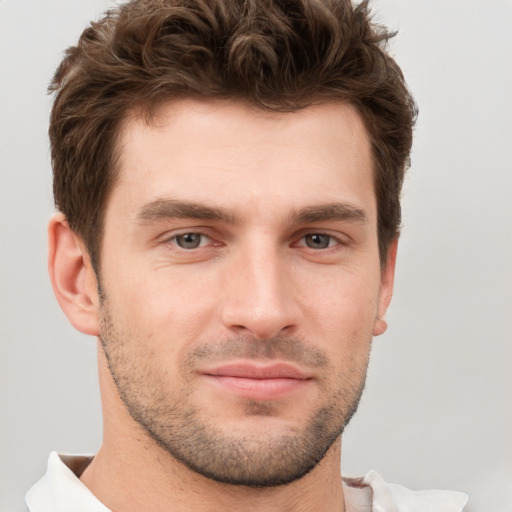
(278, 55)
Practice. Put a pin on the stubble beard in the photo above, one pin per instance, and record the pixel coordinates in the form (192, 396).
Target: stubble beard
(189, 436)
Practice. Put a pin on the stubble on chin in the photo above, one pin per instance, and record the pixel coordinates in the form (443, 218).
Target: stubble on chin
(251, 458)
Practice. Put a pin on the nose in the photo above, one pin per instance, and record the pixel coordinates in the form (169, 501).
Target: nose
(259, 299)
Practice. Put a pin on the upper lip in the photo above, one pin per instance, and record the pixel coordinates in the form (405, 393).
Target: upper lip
(246, 370)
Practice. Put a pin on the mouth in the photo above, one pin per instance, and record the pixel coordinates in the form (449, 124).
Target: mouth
(257, 382)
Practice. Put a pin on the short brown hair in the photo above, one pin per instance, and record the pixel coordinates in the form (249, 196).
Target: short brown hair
(278, 55)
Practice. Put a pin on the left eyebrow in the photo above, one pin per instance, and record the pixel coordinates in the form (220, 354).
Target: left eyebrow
(327, 212)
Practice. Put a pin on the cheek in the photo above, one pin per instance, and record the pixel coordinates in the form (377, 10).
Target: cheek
(168, 309)
(346, 300)
(345, 315)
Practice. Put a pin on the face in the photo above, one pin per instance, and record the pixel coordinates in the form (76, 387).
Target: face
(241, 284)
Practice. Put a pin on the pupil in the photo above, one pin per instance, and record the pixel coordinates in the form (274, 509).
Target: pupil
(318, 241)
(189, 240)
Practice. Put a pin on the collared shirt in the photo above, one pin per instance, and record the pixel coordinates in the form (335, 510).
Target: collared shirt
(60, 490)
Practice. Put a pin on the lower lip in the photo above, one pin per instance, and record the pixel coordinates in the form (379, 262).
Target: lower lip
(258, 389)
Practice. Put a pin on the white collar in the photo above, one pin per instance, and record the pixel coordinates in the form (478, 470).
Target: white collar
(60, 490)
(386, 497)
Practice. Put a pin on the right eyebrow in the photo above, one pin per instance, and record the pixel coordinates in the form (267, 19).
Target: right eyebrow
(165, 209)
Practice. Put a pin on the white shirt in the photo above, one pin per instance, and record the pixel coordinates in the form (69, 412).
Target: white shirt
(60, 490)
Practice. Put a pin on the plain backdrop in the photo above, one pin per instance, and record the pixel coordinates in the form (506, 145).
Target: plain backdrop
(437, 412)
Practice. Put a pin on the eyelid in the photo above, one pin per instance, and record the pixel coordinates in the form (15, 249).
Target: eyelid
(214, 238)
(170, 238)
(203, 241)
(302, 242)
(340, 238)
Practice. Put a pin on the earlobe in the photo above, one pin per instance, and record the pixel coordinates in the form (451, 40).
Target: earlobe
(386, 289)
(73, 278)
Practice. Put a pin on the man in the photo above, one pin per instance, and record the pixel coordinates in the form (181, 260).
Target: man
(227, 175)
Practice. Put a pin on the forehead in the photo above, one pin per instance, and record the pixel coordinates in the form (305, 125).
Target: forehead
(227, 152)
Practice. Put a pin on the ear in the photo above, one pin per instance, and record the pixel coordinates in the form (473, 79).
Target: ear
(386, 289)
(73, 278)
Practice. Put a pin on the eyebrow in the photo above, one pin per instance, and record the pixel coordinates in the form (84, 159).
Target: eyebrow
(164, 209)
(327, 212)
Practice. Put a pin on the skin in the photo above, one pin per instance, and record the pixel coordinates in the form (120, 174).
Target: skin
(287, 270)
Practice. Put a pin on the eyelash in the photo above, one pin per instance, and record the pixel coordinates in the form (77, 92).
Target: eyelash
(174, 239)
(202, 236)
(331, 238)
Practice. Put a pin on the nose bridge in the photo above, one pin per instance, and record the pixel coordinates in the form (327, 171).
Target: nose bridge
(258, 291)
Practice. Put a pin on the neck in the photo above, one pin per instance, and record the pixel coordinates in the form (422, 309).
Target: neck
(131, 472)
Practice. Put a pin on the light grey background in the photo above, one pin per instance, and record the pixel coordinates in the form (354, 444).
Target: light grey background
(438, 407)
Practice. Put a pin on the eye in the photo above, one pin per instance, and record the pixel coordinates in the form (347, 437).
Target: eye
(319, 241)
(190, 240)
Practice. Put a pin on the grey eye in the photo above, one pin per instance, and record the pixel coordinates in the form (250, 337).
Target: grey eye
(318, 241)
(189, 240)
